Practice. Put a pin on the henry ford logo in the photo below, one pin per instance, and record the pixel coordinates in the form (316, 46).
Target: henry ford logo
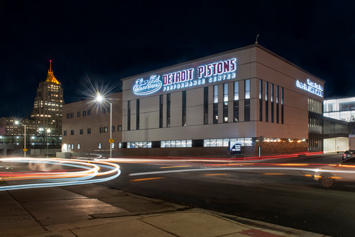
(146, 87)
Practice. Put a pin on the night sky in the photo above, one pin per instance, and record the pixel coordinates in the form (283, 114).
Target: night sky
(104, 41)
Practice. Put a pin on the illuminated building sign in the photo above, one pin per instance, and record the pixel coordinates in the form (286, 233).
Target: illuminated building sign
(146, 87)
(311, 87)
(217, 71)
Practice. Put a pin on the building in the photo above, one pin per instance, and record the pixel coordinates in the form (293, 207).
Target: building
(248, 95)
(86, 125)
(340, 109)
(48, 105)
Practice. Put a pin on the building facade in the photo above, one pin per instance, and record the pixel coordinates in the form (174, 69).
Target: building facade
(86, 125)
(249, 95)
(340, 109)
(48, 105)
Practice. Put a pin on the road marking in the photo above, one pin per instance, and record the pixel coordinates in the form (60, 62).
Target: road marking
(147, 179)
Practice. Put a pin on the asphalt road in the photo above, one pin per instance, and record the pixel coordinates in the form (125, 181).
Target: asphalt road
(286, 198)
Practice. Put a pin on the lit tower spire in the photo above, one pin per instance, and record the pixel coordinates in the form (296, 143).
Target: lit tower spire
(50, 65)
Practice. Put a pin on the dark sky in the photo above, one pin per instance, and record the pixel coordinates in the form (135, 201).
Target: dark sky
(109, 40)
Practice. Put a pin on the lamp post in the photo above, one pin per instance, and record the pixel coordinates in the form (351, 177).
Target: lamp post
(100, 99)
(24, 138)
(48, 131)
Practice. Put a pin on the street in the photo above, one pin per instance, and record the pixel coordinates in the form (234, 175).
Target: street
(285, 198)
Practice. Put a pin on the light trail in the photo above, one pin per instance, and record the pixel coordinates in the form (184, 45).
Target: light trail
(85, 172)
(245, 169)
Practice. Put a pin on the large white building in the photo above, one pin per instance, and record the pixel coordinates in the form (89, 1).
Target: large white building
(249, 95)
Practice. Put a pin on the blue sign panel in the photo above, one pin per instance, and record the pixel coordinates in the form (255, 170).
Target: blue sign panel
(311, 87)
(235, 147)
(210, 73)
(146, 87)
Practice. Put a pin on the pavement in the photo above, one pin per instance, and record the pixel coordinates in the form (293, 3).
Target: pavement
(95, 210)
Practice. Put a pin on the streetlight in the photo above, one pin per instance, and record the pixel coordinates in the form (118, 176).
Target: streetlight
(99, 98)
(24, 138)
(48, 131)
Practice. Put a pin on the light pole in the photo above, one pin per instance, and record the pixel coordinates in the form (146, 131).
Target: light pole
(100, 99)
(24, 138)
(48, 131)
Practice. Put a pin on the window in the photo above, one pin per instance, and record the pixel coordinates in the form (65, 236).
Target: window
(137, 114)
(282, 105)
(72, 115)
(99, 145)
(89, 131)
(128, 115)
(205, 105)
(84, 113)
(260, 100)
(119, 145)
(65, 133)
(247, 100)
(89, 112)
(105, 129)
(113, 128)
(81, 131)
(68, 116)
(247, 89)
(160, 111)
(72, 133)
(225, 103)
(119, 128)
(215, 104)
(266, 103)
(78, 114)
(277, 105)
(168, 110)
(103, 110)
(183, 108)
(236, 102)
(113, 145)
(78, 146)
(101, 129)
(272, 102)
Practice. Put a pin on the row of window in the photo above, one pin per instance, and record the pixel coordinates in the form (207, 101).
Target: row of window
(225, 142)
(71, 115)
(101, 130)
(205, 116)
(274, 99)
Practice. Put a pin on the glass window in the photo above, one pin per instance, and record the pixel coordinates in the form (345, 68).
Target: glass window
(65, 133)
(236, 90)
(119, 128)
(78, 146)
(103, 110)
(84, 113)
(160, 111)
(72, 132)
(120, 145)
(128, 115)
(215, 94)
(205, 105)
(113, 128)
(81, 131)
(247, 89)
(89, 131)
(266, 91)
(137, 114)
(113, 145)
(105, 129)
(225, 92)
(99, 145)
(78, 114)
(89, 112)
(72, 115)
(260, 88)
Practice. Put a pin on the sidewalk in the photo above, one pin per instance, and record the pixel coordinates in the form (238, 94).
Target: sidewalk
(95, 210)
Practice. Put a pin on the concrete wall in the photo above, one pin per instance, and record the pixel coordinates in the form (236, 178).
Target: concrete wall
(97, 119)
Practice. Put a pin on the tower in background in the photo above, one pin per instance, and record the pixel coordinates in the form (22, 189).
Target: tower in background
(48, 105)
